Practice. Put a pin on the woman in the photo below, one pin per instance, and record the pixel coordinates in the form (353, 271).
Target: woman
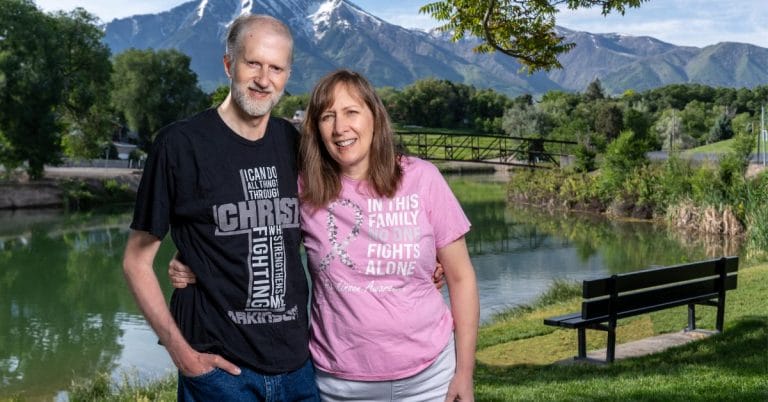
(374, 221)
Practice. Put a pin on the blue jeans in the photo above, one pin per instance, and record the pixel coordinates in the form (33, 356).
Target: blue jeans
(218, 385)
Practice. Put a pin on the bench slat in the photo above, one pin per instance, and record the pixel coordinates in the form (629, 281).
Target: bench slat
(658, 276)
(569, 320)
(654, 299)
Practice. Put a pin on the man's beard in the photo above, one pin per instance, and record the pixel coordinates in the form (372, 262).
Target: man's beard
(253, 107)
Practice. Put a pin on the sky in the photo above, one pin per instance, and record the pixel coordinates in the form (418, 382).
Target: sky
(680, 22)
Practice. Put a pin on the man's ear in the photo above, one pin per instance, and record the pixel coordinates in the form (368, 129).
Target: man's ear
(227, 66)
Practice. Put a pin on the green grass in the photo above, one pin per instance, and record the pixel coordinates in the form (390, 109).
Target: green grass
(719, 147)
(516, 352)
(102, 388)
(515, 355)
(467, 190)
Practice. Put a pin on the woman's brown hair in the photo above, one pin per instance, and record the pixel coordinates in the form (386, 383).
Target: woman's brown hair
(320, 174)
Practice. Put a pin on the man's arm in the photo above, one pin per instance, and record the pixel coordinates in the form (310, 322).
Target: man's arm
(140, 252)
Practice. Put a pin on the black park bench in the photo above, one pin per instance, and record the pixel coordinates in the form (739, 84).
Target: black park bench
(609, 299)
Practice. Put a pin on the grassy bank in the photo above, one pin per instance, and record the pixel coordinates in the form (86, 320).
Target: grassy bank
(516, 353)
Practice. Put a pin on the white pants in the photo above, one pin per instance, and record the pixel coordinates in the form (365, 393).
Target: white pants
(431, 384)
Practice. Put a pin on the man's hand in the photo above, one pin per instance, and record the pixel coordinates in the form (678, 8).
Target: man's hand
(438, 277)
(195, 364)
(180, 274)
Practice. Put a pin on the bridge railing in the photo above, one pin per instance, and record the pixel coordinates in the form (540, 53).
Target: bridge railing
(484, 148)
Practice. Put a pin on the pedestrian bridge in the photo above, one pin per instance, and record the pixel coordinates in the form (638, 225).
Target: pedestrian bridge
(493, 149)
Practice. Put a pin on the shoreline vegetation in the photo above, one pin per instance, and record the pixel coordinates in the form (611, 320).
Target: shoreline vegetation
(712, 198)
(520, 359)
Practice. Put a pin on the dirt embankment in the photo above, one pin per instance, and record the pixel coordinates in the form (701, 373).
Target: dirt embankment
(59, 183)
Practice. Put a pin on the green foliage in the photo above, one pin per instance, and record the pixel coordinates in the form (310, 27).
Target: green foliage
(555, 186)
(674, 183)
(85, 113)
(756, 215)
(85, 194)
(77, 195)
(638, 122)
(594, 91)
(54, 72)
(609, 120)
(695, 120)
(622, 157)
(706, 187)
(722, 129)
(129, 389)
(154, 88)
(442, 104)
(527, 121)
(672, 133)
(32, 86)
(219, 94)
(585, 158)
(289, 104)
(485, 108)
(524, 30)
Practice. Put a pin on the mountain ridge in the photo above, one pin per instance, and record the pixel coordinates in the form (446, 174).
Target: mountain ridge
(329, 34)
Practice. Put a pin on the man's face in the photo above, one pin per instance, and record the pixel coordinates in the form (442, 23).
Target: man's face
(259, 71)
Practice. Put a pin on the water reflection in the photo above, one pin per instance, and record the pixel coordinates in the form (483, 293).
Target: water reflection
(62, 299)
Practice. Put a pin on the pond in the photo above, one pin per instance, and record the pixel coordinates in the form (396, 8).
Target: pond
(65, 312)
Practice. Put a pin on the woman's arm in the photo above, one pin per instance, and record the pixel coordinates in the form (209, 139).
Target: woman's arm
(465, 307)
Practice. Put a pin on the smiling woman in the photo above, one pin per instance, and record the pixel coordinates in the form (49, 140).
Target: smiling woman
(374, 222)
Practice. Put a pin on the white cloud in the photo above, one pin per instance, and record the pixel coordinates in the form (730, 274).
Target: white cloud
(108, 10)
(683, 22)
(417, 21)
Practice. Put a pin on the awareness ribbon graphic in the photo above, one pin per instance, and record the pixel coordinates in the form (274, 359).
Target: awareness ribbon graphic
(340, 248)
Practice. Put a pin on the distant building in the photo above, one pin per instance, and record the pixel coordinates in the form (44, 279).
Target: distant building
(298, 117)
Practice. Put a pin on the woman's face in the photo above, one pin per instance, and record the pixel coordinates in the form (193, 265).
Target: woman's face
(346, 128)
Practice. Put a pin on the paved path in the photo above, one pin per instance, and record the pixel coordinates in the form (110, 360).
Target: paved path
(88, 172)
(646, 346)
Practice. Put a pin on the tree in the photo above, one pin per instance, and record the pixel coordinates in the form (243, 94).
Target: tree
(622, 156)
(154, 88)
(722, 129)
(523, 29)
(594, 91)
(289, 104)
(219, 94)
(486, 108)
(696, 119)
(54, 72)
(672, 133)
(609, 120)
(527, 121)
(85, 114)
(31, 87)
(437, 103)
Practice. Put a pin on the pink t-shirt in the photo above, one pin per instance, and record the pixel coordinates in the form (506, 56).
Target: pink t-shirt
(376, 315)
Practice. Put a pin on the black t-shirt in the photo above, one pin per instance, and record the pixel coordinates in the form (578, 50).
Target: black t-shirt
(233, 210)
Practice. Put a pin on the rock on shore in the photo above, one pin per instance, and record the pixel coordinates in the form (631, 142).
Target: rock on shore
(51, 191)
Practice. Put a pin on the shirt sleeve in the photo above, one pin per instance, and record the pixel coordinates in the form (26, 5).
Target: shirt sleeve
(153, 199)
(445, 213)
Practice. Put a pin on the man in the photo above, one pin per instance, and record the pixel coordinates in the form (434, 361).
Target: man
(225, 182)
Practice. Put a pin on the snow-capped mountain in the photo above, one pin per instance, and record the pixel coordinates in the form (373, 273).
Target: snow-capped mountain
(337, 33)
